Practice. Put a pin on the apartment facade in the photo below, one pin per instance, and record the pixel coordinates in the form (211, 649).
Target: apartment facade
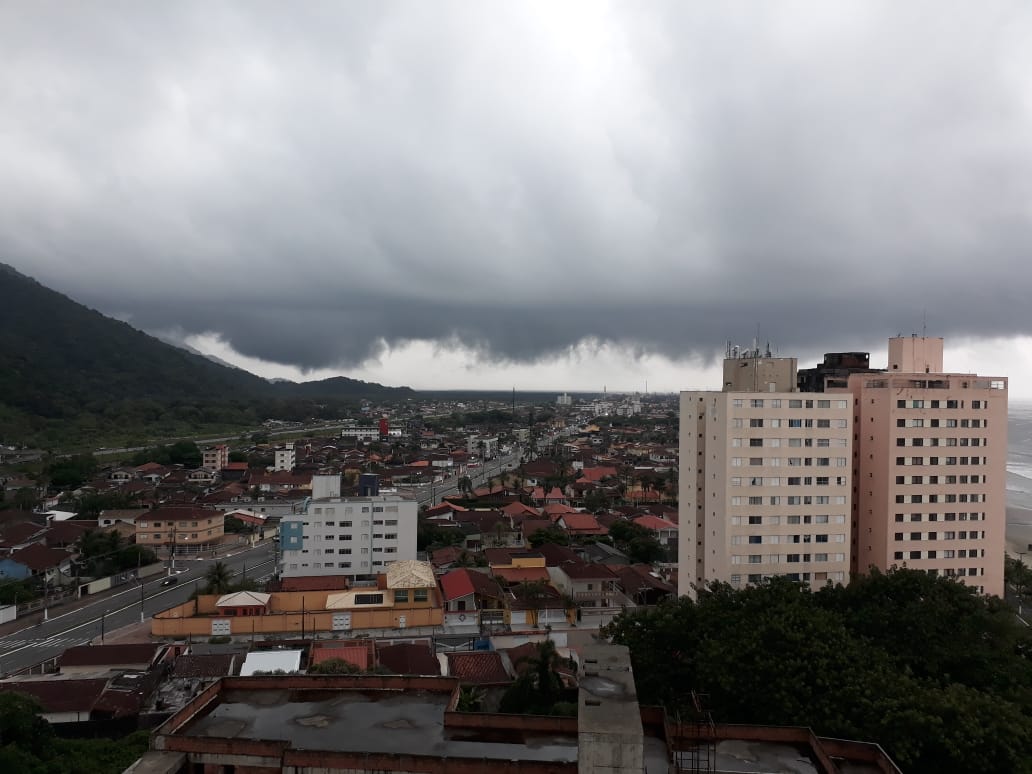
(930, 465)
(354, 536)
(765, 488)
(188, 528)
(215, 457)
(284, 458)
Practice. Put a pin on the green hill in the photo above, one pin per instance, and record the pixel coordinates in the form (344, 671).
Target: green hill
(68, 373)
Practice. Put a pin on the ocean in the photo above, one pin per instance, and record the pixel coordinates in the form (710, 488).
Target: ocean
(1019, 478)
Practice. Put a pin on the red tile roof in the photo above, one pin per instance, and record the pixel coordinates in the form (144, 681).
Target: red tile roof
(587, 571)
(359, 655)
(446, 555)
(520, 574)
(15, 534)
(463, 582)
(655, 523)
(179, 513)
(519, 509)
(60, 695)
(582, 523)
(556, 554)
(597, 473)
(481, 668)
(37, 557)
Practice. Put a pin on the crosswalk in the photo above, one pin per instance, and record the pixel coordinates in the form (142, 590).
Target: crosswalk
(7, 645)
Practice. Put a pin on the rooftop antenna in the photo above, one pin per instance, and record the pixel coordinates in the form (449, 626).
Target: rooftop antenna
(924, 323)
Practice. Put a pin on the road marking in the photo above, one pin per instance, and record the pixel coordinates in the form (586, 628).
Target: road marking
(106, 613)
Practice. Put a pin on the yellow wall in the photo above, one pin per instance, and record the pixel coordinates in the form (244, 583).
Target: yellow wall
(195, 617)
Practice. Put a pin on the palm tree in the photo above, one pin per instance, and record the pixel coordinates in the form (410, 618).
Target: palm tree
(218, 578)
(465, 486)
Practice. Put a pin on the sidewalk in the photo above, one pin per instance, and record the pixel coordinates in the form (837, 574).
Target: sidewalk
(71, 605)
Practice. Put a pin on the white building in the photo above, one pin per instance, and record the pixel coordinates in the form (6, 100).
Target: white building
(369, 433)
(478, 444)
(355, 536)
(285, 458)
(564, 400)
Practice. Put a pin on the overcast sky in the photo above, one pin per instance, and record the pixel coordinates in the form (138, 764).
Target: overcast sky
(546, 195)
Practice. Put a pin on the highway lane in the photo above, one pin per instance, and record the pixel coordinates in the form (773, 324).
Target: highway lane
(37, 643)
(431, 494)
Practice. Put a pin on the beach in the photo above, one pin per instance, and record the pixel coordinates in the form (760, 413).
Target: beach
(1019, 479)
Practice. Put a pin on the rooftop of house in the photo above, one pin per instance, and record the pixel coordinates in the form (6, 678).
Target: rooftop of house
(38, 557)
(463, 582)
(579, 570)
(410, 574)
(109, 655)
(204, 665)
(480, 667)
(408, 659)
(654, 523)
(18, 532)
(358, 653)
(60, 695)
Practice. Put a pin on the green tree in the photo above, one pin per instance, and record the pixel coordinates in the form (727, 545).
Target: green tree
(552, 534)
(21, 725)
(334, 666)
(218, 579)
(922, 665)
(539, 687)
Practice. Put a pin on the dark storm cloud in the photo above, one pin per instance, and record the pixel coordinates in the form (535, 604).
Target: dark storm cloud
(313, 181)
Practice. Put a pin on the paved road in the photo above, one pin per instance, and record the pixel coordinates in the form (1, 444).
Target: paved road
(34, 644)
(428, 494)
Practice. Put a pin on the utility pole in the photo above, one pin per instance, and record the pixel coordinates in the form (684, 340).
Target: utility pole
(140, 581)
(102, 627)
(172, 551)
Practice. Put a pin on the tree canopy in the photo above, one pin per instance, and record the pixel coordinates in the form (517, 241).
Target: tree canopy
(934, 673)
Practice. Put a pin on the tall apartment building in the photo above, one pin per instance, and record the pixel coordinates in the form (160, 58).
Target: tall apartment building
(765, 478)
(355, 536)
(930, 467)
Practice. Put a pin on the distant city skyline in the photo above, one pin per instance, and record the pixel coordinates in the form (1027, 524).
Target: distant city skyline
(557, 196)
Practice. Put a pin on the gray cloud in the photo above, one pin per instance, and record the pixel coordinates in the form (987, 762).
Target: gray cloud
(313, 181)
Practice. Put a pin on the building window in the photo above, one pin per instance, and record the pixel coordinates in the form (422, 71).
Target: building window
(401, 595)
(420, 595)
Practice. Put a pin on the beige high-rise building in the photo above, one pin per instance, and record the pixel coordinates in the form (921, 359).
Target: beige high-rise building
(930, 465)
(765, 479)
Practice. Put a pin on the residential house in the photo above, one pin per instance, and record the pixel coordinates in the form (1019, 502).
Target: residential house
(36, 561)
(478, 668)
(581, 525)
(664, 530)
(471, 598)
(588, 584)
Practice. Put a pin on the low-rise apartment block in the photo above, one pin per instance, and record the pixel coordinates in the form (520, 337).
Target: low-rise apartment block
(353, 536)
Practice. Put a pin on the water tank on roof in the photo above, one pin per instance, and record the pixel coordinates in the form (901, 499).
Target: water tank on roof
(368, 485)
